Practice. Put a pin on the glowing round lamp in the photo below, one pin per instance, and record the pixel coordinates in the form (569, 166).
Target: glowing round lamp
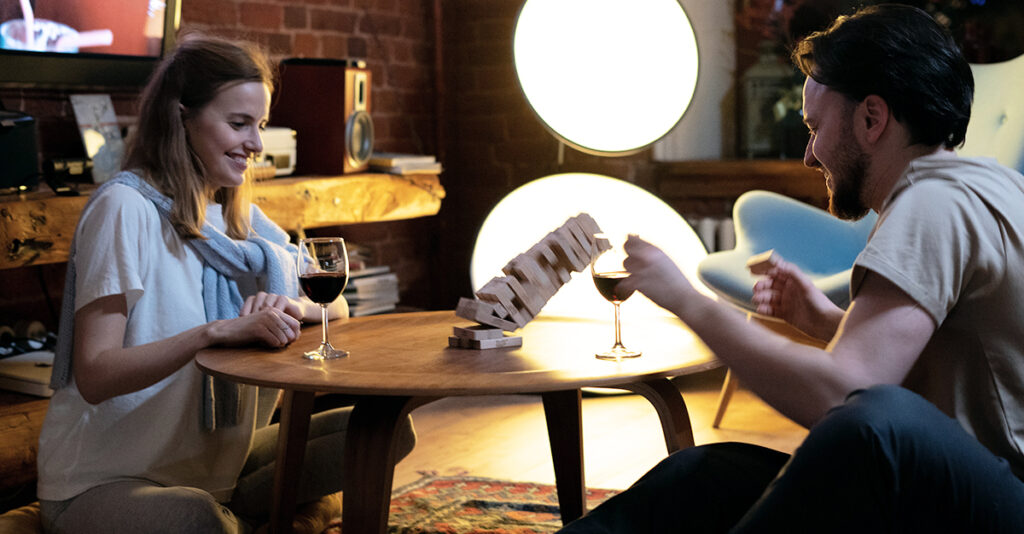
(531, 211)
(608, 77)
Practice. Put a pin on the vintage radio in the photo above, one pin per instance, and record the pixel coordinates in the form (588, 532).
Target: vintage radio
(327, 103)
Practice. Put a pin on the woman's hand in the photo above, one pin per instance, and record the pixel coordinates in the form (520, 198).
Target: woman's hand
(787, 293)
(263, 300)
(269, 325)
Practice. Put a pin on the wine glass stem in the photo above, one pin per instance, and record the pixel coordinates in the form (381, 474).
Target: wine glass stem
(618, 331)
(323, 318)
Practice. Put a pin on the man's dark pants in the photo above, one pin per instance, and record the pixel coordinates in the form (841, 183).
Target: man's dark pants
(885, 461)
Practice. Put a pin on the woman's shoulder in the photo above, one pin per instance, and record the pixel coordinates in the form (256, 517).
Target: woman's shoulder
(119, 197)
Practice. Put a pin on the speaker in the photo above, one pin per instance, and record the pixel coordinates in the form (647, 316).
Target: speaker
(327, 103)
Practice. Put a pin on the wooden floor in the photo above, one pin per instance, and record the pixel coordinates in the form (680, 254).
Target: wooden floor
(505, 437)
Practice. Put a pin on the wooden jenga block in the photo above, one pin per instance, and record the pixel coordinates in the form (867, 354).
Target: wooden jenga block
(498, 292)
(763, 262)
(588, 223)
(482, 344)
(571, 239)
(477, 332)
(483, 313)
(585, 241)
(526, 296)
(566, 250)
(527, 270)
(558, 266)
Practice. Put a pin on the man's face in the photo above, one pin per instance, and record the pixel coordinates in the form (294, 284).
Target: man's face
(833, 149)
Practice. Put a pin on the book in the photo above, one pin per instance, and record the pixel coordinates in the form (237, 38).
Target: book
(365, 270)
(370, 307)
(379, 283)
(27, 373)
(388, 159)
(409, 168)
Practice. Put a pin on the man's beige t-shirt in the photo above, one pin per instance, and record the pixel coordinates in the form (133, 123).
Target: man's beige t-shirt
(951, 235)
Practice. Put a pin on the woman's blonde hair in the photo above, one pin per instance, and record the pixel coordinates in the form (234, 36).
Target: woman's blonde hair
(191, 76)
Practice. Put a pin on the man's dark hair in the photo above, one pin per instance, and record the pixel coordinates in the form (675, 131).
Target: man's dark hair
(901, 54)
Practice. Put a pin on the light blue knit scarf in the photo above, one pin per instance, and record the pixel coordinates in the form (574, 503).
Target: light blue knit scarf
(266, 253)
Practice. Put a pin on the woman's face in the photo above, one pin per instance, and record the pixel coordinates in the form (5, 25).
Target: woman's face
(225, 133)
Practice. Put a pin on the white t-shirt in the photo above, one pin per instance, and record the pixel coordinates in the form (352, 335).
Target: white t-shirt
(951, 236)
(124, 246)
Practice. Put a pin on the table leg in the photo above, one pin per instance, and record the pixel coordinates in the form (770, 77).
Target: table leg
(296, 408)
(369, 461)
(563, 413)
(671, 408)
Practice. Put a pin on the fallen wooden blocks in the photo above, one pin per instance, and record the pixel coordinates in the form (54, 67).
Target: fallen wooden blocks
(482, 337)
(531, 279)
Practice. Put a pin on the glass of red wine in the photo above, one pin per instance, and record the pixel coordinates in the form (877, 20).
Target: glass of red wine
(323, 274)
(607, 271)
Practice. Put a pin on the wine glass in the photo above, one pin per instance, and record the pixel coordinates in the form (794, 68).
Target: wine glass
(323, 274)
(607, 271)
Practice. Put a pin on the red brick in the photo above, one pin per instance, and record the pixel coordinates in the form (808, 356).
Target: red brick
(261, 16)
(306, 45)
(357, 47)
(213, 13)
(296, 17)
(410, 76)
(334, 46)
(339, 22)
(380, 24)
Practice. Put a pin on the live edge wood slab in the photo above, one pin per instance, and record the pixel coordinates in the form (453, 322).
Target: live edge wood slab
(36, 228)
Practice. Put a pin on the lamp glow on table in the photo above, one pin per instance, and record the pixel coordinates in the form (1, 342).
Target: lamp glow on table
(607, 77)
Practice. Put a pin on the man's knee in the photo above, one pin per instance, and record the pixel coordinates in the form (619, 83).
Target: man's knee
(883, 407)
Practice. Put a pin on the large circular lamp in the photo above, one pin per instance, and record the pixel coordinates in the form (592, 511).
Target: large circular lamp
(607, 77)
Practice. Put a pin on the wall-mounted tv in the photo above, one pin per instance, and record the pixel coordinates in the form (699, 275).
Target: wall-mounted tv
(82, 43)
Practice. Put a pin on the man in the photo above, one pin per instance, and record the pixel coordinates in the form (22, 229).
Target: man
(935, 309)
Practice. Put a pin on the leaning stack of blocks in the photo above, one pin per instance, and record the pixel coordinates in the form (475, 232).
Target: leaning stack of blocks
(507, 303)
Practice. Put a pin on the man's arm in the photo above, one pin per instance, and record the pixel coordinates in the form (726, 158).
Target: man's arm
(879, 339)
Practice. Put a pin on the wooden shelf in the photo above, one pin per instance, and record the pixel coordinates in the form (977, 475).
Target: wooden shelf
(728, 179)
(36, 228)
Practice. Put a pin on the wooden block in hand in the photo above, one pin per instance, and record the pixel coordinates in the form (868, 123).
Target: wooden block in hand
(763, 262)
(477, 332)
(482, 344)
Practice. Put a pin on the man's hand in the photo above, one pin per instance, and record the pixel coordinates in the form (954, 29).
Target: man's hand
(787, 293)
(654, 274)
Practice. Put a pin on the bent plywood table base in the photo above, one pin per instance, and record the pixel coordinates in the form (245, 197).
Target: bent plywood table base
(400, 362)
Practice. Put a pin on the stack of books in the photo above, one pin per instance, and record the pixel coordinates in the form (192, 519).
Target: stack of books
(371, 290)
(396, 163)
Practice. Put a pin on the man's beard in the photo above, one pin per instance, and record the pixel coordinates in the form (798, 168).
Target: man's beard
(845, 197)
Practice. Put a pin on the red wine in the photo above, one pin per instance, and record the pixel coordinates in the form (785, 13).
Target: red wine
(607, 283)
(323, 288)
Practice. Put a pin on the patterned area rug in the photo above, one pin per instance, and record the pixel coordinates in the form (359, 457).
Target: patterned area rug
(469, 505)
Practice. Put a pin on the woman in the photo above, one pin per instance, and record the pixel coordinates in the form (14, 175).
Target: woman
(136, 438)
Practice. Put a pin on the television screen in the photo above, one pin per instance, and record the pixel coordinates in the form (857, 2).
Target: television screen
(84, 42)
